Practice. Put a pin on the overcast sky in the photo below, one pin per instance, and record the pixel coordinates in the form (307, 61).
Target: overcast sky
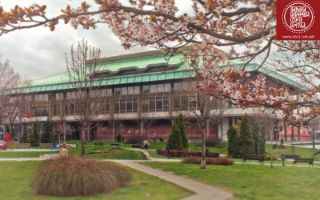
(38, 52)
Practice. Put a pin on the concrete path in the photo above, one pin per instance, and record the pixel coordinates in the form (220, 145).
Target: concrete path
(202, 191)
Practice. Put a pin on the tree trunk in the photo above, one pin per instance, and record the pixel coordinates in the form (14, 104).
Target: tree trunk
(11, 131)
(203, 152)
(82, 138)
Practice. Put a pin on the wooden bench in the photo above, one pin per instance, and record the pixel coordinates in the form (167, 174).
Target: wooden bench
(284, 157)
(258, 157)
(136, 146)
(212, 155)
(303, 160)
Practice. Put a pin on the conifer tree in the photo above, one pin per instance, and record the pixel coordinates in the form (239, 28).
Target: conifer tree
(182, 132)
(246, 141)
(34, 136)
(233, 142)
(47, 132)
(174, 140)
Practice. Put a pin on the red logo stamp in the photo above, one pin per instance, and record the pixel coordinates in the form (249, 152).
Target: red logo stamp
(298, 20)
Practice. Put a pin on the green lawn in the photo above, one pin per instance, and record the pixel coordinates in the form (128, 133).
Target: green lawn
(15, 178)
(253, 181)
(195, 146)
(34, 154)
(106, 151)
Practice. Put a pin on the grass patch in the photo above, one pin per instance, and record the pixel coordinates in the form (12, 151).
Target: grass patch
(254, 182)
(15, 180)
(31, 154)
(106, 151)
(118, 153)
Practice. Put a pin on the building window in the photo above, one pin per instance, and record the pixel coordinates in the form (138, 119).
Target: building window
(104, 107)
(71, 95)
(117, 91)
(182, 102)
(59, 96)
(40, 111)
(133, 90)
(152, 104)
(56, 109)
(146, 89)
(126, 105)
(181, 86)
(230, 122)
(41, 97)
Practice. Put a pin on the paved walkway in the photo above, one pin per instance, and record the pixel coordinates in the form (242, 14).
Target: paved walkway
(202, 191)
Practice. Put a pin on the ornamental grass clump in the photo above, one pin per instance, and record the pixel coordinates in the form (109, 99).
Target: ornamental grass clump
(75, 176)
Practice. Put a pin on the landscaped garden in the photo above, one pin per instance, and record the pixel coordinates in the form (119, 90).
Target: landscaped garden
(253, 181)
(15, 180)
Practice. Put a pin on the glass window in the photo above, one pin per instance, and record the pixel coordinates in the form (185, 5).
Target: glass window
(40, 111)
(123, 104)
(153, 88)
(117, 106)
(160, 88)
(167, 87)
(177, 86)
(117, 91)
(124, 91)
(56, 110)
(152, 104)
(134, 90)
(159, 104)
(146, 89)
(145, 105)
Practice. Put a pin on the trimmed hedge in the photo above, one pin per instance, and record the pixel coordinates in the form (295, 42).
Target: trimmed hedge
(209, 161)
(183, 153)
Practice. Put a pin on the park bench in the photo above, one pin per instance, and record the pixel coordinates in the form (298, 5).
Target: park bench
(303, 160)
(136, 146)
(115, 144)
(212, 155)
(258, 157)
(284, 157)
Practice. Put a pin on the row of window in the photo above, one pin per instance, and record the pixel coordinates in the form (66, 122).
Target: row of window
(125, 105)
(120, 91)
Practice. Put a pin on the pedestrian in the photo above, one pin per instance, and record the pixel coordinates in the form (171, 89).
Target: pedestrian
(146, 144)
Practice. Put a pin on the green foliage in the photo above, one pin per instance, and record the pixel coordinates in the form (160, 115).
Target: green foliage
(178, 139)
(245, 141)
(182, 132)
(47, 132)
(74, 176)
(25, 136)
(54, 137)
(34, 136)
(233, 142)
(175, 140)
(258, 133)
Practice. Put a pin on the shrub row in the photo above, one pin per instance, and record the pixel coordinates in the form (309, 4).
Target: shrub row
(177, 153)
(209, 161)
(184, 153)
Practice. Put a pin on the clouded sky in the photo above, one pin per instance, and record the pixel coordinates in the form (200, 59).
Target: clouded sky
(38, 52)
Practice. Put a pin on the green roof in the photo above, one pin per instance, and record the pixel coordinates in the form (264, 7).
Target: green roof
(140, 61)
(255, 67)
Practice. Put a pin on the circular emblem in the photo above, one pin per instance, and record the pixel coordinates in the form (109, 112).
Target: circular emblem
(298, 16)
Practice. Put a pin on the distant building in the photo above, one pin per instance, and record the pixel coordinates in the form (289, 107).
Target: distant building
(141, 94)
